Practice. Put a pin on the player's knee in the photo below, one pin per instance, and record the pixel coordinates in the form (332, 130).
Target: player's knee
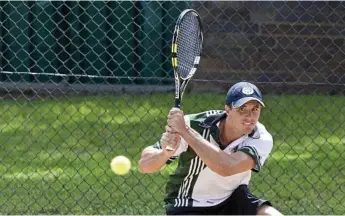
(268, 210)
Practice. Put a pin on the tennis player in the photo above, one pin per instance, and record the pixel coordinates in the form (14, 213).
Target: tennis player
(217, 152)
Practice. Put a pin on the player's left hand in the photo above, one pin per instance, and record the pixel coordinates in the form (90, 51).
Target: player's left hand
(176, 121)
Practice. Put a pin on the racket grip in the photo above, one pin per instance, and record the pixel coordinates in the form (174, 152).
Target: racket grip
(175, 108)
(177, 103)
(168, 148)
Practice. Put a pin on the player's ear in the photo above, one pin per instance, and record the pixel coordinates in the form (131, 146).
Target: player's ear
(227, 108)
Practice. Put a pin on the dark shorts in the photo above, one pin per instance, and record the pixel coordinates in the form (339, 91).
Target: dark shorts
(241, 202)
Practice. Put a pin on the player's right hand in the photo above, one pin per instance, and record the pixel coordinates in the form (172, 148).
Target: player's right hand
(170, 143)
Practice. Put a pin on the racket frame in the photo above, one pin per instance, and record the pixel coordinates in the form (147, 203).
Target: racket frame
(181, 86)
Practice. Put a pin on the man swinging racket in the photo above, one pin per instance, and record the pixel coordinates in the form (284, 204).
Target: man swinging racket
(217, 150)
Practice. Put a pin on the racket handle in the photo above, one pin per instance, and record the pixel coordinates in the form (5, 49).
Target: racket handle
(177, 103)
(168, 148)
(175, 109)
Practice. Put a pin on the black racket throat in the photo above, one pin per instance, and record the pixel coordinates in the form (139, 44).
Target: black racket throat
(179, 93)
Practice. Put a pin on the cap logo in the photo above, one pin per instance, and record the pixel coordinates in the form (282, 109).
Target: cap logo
(247, 90)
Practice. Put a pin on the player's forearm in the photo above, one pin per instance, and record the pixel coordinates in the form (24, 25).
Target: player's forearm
(152, 161)
(213, 157)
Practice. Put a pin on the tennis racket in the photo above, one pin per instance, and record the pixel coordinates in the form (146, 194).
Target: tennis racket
(186, 50)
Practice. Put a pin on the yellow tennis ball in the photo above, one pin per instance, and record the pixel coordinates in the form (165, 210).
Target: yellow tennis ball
(120, 165)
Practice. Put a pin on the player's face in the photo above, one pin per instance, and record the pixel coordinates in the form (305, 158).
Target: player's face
(245, 117)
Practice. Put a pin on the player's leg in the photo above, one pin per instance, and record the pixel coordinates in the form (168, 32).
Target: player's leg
(243, 202)
(268, 210)
(189, 211)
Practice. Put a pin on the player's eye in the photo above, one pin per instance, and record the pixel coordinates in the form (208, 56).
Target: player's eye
(241, 109)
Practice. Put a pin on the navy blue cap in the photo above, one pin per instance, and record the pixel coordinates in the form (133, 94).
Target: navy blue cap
(241, 93)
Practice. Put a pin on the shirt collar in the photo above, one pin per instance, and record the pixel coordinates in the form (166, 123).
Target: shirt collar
(216, 118)
(212, 120)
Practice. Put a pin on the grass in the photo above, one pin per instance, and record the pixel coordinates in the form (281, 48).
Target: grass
(55, 154)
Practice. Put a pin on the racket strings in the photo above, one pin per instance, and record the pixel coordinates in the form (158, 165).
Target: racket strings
(188, 47)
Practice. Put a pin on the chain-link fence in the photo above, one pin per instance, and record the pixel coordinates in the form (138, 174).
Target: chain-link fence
(82, 82)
